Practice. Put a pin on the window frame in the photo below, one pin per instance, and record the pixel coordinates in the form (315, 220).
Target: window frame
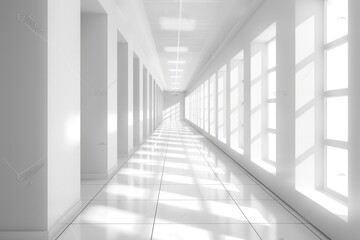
(343, 92)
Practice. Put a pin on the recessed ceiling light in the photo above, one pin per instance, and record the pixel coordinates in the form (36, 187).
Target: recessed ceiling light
(176, 70)
(176, 49)
(172, 24)
(176, 62)
(175, 76)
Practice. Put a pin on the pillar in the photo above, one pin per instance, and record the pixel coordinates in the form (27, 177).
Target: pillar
(125, 99)
(40, 116)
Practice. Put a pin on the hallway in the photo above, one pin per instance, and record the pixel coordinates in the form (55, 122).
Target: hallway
(179, 186)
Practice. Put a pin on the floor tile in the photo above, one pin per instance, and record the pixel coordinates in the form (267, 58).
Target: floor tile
(191, 170)
(193, 192)
(129, 192)
(247, 192)
(101, 181)
(265, 211)
(131, 171)
(118, 212)
(235, 179)
(88, 192)
(107, 232)
(172, 211)
(142, 179)
(190, 179)
(204, 232)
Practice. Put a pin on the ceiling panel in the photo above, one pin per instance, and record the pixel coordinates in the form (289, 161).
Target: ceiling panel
(203, 27)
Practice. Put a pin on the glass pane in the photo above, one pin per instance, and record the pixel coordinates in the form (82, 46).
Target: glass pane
(272, 147)
(212, 106)
(220, 84)
(337, 68)
(272, 85)
(337, 118)
(272, 115)
(337, 170)
(256, 66)
(337, 19)
(206, 96)
(234, 77)
(272, 54)
(256, 124)
(256, 95)
(234, 98)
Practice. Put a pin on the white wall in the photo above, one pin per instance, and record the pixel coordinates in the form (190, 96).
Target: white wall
(145, 103)
(354, 119)
(141, 102)
(125, 99)
(151, 106)
(40, 109)
(112, 93)
(99, 91)
(283, 183)
(23, 109)
(94, 82)
(63, 109)
(171, 99)
(129, 18)
(137, 100)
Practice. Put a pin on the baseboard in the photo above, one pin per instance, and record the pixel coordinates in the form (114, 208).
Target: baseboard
(86, 176)
(53, 233)
(64, 222)
(21, 235)
(129, 153)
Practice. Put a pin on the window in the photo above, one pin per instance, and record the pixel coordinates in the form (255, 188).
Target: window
(237, 103)
(187, 108)
(271, 101)
(202, 106)
(206, 103)
(212, 99)
(221, 104)
(198, 104)
(336, 97)
(321, 101)
(263, 99)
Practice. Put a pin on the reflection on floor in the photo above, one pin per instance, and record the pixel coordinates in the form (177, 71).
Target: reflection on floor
(178, 186)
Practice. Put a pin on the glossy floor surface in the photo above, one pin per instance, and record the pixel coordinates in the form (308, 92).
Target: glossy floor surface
(179, 186)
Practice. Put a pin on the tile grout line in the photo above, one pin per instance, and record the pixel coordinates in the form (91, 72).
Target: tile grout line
(157, 203)
(105, 184)
(227, 191)
(262, 186)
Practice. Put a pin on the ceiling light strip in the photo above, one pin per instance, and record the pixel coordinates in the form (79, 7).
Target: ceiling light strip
(179, 33)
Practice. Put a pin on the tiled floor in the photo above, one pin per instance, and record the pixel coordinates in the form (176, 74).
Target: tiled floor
(178, 186)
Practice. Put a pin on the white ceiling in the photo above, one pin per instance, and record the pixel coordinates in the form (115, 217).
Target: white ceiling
(204, 26)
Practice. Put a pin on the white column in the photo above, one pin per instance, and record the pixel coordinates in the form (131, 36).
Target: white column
(156, 105)
(150, 105)
(153, 105)
(125, 99)
(145, 103)
(94, 95)
(136, 96)
(354, 118)
(40, 116)
(141, 103)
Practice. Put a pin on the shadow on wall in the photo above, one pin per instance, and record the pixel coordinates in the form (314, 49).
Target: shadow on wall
(172, 113)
